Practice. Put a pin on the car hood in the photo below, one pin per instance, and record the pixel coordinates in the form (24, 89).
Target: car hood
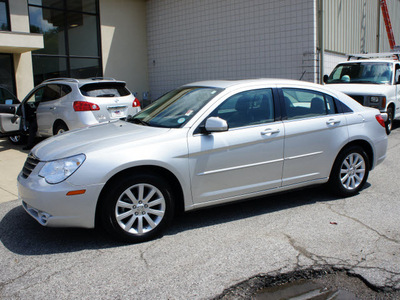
(94, 138)
(361, 89)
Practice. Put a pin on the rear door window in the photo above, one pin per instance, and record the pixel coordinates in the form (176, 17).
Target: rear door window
(301, 103)
(106, 89)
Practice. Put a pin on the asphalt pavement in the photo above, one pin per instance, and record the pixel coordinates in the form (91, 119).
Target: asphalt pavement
(206, 252)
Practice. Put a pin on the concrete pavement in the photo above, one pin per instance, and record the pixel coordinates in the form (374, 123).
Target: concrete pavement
(12, 159)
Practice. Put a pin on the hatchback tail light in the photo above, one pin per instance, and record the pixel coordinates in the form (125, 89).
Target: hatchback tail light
(136, 103)
(380, 120)
(85, 106)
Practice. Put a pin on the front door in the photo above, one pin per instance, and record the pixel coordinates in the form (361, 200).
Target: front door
(246, 159)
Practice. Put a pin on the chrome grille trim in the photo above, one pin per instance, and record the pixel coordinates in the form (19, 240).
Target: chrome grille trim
(30, 164)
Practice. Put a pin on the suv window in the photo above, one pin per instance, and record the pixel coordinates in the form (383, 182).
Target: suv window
(51, 92)
(247, 108)
(106, 89)
(301, 103)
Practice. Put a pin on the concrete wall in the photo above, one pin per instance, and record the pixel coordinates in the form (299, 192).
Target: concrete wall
(19, 21)
(124, 45)
(217, 39)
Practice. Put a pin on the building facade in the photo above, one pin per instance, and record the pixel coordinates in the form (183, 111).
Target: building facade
(156, 45)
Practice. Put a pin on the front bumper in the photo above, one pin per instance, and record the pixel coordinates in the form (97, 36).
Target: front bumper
(50, 205)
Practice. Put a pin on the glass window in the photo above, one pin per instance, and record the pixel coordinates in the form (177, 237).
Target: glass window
(51, 92)
(82, 5)
(306, 103)
(4, 18)
(46, 67)
(50, 23)
(362, 72)
(82, 34)
(7, 72)
(65, 90)
(85, 67)
(176, 108)
(247, 108)
(71, 38)
(106, 89)
(48, 3)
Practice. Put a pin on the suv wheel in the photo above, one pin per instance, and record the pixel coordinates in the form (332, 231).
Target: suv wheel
(60, 128)
(137, 208)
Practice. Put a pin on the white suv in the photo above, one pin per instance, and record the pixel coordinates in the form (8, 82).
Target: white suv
(62, 104)
(371, 82)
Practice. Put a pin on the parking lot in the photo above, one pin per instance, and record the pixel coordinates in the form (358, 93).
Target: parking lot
(205, 252)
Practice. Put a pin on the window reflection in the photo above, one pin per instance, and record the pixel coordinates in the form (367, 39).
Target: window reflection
(82, 5)
(46, 67)
(50, 23)
(48, 3)
(85, 67)
(82, 33)
(4, 22)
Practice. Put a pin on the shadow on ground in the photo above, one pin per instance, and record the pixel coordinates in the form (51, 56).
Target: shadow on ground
(22, 235)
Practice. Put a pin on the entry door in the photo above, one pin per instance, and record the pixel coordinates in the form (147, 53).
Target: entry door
(315, 133)
(246, 159)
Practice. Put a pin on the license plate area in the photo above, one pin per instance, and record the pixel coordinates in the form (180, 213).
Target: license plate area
(117, 112)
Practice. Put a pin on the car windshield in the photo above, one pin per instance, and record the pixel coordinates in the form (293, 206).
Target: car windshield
(176, 108)
(362, 72)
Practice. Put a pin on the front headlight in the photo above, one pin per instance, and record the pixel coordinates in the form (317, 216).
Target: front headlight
(374, 99)
(57, 171)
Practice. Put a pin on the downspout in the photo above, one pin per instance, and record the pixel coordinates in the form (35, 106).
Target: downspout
(378, 27)
(321, 41)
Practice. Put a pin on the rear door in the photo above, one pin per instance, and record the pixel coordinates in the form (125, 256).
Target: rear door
(47, 109)
(315, 132)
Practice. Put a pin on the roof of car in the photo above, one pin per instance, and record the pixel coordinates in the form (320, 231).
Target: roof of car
(82, 82)
(245, 82)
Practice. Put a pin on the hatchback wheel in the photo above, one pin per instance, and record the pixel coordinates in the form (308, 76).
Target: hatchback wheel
(137, 208)
(60, 128)
(350, 172)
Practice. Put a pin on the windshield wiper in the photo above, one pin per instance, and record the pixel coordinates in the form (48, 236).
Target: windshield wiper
(139, 121)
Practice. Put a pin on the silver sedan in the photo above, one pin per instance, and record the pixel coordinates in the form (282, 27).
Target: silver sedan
(203, 144)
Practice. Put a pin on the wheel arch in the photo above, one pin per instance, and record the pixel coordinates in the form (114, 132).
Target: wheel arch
(149, 169)
(365, 145)
(57, 123)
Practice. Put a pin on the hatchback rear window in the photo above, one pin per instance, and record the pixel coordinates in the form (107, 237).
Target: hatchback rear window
(106, 89)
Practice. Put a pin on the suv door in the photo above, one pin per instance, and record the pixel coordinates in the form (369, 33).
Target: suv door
(315, 132)
(9, 120)
(244, 160)
(397, 85)
(46, 113)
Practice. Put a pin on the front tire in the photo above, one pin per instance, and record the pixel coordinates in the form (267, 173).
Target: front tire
(389, 122)
(350, 172)
(137, 208)
(17, 139)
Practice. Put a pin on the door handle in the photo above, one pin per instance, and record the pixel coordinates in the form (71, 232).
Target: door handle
(270, 131)
(332, 122)
(52, 108)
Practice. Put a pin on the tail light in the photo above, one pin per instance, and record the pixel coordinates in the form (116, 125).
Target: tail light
(380, 120)
(85, 106)
(136, 103)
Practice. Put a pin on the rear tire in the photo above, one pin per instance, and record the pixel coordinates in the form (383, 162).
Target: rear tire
(350, 172)
(60, 128)
(137, 208)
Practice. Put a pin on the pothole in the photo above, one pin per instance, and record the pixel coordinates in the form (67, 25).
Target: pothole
(307, 285)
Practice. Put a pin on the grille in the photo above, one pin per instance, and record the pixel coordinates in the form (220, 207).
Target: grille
(359, 99)
(30, 164)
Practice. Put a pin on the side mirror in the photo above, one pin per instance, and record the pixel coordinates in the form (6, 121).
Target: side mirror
(325, 79)
(215, 124)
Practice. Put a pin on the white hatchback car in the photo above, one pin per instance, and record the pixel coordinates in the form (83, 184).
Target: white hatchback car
(62, 104)
(202, 144)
